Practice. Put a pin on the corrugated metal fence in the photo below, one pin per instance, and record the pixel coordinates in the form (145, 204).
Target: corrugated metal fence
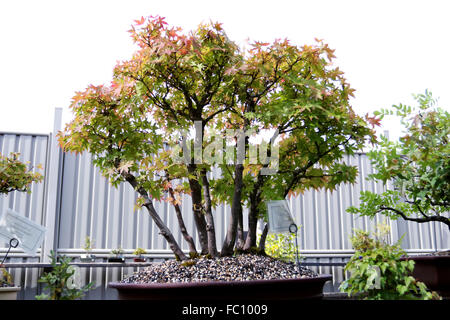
(75, 201)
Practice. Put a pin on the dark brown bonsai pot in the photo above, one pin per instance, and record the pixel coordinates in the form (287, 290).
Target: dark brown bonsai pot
(216, 291)
(434, 271)
(139, 259)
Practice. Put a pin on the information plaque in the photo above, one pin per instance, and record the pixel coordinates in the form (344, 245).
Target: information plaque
(280, 218)
(29, 233)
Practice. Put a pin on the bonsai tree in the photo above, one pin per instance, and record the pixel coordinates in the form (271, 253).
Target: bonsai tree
(88, 257)
(116, 255)
(139, 252)
(185, 104)
(117, 252)
(15, 176)
(418, 165)
(88, 244)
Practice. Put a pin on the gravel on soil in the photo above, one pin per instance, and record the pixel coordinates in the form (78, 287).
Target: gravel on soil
(239, 268)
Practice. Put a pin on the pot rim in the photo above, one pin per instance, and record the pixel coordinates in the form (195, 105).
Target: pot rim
(9, 289)
(163, 285)
(426, 257)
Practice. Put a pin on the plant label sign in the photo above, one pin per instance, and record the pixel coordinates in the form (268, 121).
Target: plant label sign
(29, 233)
(279, 216)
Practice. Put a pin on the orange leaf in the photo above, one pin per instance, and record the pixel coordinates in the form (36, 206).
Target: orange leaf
(140, 22)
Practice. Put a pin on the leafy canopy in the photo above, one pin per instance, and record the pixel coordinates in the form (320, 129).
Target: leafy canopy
(418, 165)
(14, 174)
(176, 81)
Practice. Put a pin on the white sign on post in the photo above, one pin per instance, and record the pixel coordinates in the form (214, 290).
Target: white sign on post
(279, 216)
(29, 233)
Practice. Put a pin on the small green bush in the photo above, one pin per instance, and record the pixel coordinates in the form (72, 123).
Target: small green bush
(139, 252)
(57, 281)
(281, 246)
(377, 273)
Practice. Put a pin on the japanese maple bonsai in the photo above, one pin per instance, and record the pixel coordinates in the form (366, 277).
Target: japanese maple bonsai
(88, 257)
(15, 175)
(139, 252)
(116, 255)
(137, 127)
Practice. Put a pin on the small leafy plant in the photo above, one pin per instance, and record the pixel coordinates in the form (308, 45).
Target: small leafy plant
(378, 273)
(57, 281)
(5, 278)
(88, 257)
(117, 252)
(281, 246)
(139, 252)
(88, 244)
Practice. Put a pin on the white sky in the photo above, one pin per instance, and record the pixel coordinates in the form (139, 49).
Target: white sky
(50, 49)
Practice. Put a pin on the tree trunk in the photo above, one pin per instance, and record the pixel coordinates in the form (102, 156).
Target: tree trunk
(199, 218)
(183, 230)
(164, 230)
(255, 199)
(210, 230)
(240, 232)
(250, 241)
(228, 244)
(262, 241)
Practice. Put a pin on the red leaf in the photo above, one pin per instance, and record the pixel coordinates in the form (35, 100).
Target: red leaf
(140, 22)
(374, 121)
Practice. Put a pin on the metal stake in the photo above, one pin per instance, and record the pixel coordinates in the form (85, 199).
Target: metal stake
(13, 243)
(293, 229)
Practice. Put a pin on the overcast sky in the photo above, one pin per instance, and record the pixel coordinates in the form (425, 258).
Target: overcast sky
(50, 49)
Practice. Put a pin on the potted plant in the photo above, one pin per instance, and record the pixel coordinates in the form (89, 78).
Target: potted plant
(139, 255)
(139, 129)
(59, 281)
(14, 176)
(379, 273)
(8, 291)
(88, 257)
(117, 256)
(418, 165)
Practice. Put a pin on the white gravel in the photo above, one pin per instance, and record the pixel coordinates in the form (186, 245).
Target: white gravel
(239, 268)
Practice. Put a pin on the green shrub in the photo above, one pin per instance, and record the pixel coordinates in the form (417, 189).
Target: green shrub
(58, 281)
(139, 252)
(377, 273)
(281, 246)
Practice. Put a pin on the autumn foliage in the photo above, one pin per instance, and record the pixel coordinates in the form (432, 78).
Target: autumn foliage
(293, 96)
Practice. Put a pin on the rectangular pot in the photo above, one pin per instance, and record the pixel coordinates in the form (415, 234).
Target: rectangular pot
(434, 271)
(9, 293)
